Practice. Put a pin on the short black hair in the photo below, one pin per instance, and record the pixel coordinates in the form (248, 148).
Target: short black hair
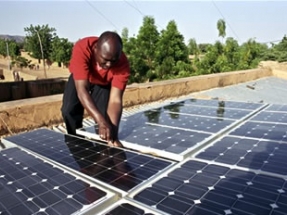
(110, 35)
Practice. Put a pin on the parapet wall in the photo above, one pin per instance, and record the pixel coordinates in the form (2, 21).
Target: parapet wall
(27, 114)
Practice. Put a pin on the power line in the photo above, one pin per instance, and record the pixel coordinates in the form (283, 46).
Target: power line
(98, 11)
(225, 20)
(138, 10)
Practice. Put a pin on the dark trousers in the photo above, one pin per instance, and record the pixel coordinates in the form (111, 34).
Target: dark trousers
(73, 110)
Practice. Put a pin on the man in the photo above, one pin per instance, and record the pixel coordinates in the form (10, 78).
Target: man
(99, 75)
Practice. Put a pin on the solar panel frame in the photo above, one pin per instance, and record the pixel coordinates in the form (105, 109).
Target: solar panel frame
(138, 206)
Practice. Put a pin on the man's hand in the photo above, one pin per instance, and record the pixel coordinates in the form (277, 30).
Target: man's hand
(105, 129)
(115, 143)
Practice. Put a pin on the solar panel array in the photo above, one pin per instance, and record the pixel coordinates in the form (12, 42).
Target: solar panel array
(208, 157)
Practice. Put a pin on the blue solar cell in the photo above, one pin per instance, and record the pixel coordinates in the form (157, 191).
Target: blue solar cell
(268, 131)
(266, 116)
(251, 153)
(277, 107)
(117, 167)
(32, 191)
(213, 189)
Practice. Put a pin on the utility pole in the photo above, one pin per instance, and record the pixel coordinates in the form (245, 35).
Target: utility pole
(8, 55)
(44, 65)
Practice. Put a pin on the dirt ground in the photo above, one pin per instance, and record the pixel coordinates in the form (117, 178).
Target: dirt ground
(52, 72)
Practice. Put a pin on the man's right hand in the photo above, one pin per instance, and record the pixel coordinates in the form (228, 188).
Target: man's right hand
(105, 129)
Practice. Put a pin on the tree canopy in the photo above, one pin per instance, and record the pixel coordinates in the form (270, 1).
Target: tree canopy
(153, 54)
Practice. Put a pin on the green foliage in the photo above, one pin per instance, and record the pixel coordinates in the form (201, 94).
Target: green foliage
(193, 49)
(221, 27)
(37, 36)
(61, 50)
(20, 62)
(9, 47)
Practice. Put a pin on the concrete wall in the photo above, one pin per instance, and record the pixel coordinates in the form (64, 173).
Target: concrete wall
(10, 91)
(27, 114)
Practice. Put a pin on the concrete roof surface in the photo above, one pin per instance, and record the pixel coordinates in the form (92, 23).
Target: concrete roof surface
(265, 90)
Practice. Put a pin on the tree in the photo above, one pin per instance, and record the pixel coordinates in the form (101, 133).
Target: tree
(61, 51)
(171, 49)
(147, 39)
(36, 35)
(192, 47)
(221, 27)
(9, 47)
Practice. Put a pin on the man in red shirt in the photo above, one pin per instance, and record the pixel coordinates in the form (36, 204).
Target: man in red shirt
(99, 75)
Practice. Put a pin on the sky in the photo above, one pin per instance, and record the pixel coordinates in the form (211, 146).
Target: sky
(262, 21)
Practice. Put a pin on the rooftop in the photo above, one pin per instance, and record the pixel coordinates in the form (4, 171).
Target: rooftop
(218, 151)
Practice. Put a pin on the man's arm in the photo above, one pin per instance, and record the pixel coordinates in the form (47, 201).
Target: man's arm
(105, 128)
(115, 108)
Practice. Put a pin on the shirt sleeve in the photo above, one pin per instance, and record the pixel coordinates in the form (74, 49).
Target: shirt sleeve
(121, 73)
(79, 65)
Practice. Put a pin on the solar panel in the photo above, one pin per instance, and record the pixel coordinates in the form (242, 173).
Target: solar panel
(165, 142)
(268, 131)
(196, 187)
(227, 104)
(220, 112)
(28, 185)
(270, 116)
(254, 154)
(277, 107)
(121, 169)
(196, 123)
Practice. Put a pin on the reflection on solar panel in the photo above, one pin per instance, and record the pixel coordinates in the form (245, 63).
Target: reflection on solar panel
(30, 186)
(268, 116)
(227, 104)
(268, 131)
(197, 123)
(250, 153)
(117, 167)
(195, 187)
(220, 112)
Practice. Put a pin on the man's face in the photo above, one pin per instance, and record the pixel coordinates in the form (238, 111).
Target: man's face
(106, 59)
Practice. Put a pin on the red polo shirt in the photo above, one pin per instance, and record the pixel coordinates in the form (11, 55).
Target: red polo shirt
(84, 67)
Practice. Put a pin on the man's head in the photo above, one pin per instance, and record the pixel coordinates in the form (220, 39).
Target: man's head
(108, 49)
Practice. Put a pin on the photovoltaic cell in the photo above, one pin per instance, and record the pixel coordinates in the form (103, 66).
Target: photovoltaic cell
(30, 186)
(277, 107)
(268, 116)
(250, 153)
(117, 167)
(268, 131)
(200, 188)
(227, 104)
